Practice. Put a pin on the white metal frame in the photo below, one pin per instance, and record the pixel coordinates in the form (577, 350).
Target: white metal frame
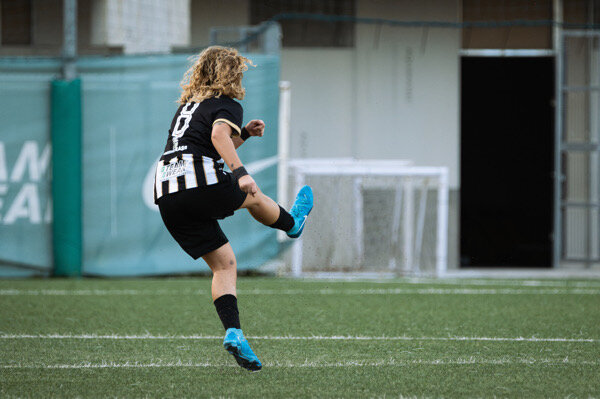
(300, 168)
(563, 147)
(283, 146)
(507, 52)
(358, 169)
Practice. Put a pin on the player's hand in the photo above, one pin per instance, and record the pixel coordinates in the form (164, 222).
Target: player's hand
(256, 127)
(248, 185)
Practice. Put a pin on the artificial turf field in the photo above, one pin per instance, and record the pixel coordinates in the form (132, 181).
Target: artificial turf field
(416, 338)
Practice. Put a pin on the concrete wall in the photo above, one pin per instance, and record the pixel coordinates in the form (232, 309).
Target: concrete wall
(395, 94)
(323, 101)
(139, 26)
(47, 22)
(209, 13)
(132, 26)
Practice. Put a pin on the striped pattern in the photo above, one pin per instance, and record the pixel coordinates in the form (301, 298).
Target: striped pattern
(209, 171)
(190, 171)
(189, 159)
(173, 184)
(186, 171)
(158, 192)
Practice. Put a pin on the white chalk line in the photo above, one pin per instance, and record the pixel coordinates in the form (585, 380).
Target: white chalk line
(463, 282)
(427, 291)
(503, 282)
(295, 338)
(308, 364)
(366, 291)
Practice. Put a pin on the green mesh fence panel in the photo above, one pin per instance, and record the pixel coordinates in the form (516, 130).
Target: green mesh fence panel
(25, 206)
(128, 104)
(127, 107)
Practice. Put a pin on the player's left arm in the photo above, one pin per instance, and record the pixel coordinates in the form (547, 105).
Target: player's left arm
(255, 127)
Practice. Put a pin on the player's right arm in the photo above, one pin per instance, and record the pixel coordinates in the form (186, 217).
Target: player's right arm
(256, 128)
(221, 139)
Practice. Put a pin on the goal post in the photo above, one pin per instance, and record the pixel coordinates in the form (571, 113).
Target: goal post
(371, 218)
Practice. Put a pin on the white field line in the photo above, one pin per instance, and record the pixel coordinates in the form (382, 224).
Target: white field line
(592, 283)
(427, 291)
(499, 282)
(366, 291)
(308, 364)
(294, 338)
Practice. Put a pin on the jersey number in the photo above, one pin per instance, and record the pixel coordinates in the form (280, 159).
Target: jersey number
(183, 121)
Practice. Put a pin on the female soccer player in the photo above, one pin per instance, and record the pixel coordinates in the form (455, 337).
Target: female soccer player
(193, 191)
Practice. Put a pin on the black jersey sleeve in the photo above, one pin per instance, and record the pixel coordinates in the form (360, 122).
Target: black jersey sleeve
(231, 113)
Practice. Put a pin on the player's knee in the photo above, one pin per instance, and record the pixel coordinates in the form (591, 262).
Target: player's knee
(224, 266)
(255, 201)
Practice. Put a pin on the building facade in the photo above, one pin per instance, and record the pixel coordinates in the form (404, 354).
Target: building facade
(34, 27)
(442, 89)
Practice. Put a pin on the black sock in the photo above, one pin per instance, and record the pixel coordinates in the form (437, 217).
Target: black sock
(284, 222)
(228, 311)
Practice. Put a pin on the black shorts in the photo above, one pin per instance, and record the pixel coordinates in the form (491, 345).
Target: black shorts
(191, 215)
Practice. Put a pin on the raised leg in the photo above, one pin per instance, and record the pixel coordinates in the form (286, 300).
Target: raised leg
(267, 212)
(262, 208)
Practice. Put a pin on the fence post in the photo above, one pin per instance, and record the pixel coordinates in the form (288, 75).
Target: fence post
(65, 128)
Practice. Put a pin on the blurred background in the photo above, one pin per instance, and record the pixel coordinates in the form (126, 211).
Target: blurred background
(467, 132)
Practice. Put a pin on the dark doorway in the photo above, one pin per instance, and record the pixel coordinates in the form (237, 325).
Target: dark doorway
(507, 151)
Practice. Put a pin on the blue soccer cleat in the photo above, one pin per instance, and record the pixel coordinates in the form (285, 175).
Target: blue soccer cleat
(238, 346)
(300, 211)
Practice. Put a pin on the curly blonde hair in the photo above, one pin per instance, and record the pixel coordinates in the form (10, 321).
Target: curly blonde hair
(216, 71)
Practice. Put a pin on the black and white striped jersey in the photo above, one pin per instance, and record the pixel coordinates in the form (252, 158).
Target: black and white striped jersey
(190, 159)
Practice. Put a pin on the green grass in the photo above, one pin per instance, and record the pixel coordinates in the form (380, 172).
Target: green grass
(188, 362)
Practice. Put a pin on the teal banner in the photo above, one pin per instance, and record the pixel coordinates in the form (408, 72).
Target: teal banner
(127, 107)
(25, 157)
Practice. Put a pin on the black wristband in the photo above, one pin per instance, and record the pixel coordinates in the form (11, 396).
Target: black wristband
(239, 172)
(244, 134)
